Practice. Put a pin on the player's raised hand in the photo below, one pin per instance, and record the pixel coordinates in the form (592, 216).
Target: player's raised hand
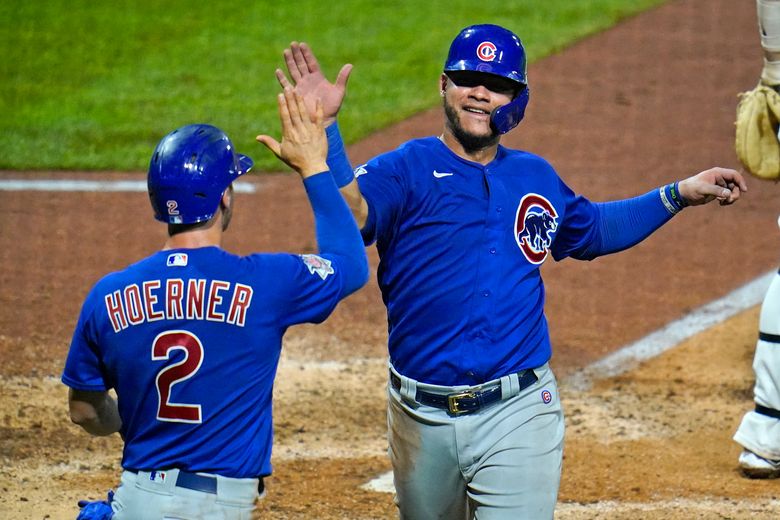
(304, 145)
(307, 79)
(722, 184)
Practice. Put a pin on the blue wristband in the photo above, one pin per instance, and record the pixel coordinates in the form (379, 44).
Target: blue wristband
(671, 198)
(677, 196)
(337, 157)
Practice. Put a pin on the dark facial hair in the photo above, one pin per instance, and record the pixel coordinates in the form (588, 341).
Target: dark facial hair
(471, 143)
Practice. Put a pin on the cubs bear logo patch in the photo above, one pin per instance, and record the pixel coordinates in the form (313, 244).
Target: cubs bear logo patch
(536, 222)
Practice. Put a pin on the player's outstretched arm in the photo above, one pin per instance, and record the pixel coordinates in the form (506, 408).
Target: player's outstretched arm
(722, 184)
(304, 148)
(622, 224)
(307, 79)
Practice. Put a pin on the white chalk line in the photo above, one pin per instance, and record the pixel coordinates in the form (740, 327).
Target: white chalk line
(673, 333)
(646, 348)
(65, 185)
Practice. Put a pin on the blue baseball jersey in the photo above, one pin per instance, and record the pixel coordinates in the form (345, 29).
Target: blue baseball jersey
(190, 339)
(460, 247)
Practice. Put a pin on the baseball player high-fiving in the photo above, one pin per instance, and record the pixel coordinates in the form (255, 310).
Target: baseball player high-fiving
(190, 337)
(462, 226)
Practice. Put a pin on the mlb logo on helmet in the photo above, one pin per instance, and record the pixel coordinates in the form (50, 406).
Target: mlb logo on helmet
(486, 51)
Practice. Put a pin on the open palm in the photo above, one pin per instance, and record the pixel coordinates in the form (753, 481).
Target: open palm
(308, 81)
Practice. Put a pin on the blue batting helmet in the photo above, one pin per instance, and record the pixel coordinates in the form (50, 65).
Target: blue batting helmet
(190, 170)
(491, 49)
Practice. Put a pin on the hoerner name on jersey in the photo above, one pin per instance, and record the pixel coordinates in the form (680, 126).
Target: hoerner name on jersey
(177, 299)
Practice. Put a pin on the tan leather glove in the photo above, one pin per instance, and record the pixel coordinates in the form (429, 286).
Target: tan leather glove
(756, 143)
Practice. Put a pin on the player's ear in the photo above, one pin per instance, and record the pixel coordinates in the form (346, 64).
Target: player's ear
(443, 84)
(227, 198)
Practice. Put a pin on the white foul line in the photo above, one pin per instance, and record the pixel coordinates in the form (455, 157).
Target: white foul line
(92, 186)
(674, 333)
(648, 347)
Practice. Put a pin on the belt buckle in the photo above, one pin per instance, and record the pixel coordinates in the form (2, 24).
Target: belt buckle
(452, 401)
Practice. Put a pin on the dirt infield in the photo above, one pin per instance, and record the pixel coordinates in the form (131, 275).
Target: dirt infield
(649, 101)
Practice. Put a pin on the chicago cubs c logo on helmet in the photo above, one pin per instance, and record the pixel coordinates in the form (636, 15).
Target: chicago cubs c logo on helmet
(535, 223)
(486, 51)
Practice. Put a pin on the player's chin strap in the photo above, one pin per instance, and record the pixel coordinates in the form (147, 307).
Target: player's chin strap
(506, 117)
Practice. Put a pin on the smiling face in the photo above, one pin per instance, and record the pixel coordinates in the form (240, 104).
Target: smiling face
(469, 99)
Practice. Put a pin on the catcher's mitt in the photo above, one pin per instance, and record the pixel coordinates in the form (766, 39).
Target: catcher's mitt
(757, 146)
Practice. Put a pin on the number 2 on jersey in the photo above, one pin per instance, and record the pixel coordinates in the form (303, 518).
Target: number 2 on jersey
(193, 357)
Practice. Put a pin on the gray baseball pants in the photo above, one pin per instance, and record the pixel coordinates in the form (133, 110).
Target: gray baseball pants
(502, 462)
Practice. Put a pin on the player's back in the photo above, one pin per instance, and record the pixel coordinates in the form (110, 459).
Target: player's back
(191, 339)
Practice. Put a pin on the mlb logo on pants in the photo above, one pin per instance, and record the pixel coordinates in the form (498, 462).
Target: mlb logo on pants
(157, 476)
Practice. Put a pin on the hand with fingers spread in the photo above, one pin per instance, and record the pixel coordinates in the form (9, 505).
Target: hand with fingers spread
(304, 146)
(307, 79)
(724, 184)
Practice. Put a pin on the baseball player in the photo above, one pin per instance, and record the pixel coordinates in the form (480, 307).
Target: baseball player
(190, 337)
(759, 431)
(462, 226)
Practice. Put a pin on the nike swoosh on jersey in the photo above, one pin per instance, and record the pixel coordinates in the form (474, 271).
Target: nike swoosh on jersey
(439, 175)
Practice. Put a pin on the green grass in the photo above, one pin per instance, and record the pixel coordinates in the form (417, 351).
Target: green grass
(94, 84)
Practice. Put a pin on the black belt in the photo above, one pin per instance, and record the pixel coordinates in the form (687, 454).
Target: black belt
(197, 482)
(204, 483)
(769, 412)
(468, 401)
(770, 338)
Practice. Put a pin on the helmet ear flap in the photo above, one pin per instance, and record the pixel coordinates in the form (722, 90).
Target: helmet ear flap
(506, 117)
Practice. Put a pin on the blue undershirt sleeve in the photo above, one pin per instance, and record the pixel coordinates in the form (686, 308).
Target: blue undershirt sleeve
(343, 174)
(624, 223)
(337, 159)
(336, 230)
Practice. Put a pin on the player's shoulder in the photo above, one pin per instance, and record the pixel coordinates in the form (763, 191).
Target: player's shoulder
(273, 262)
(424, 146)
(120, 276)
(170, 263)
(523, 161)
(422, 143)
(409, 154)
